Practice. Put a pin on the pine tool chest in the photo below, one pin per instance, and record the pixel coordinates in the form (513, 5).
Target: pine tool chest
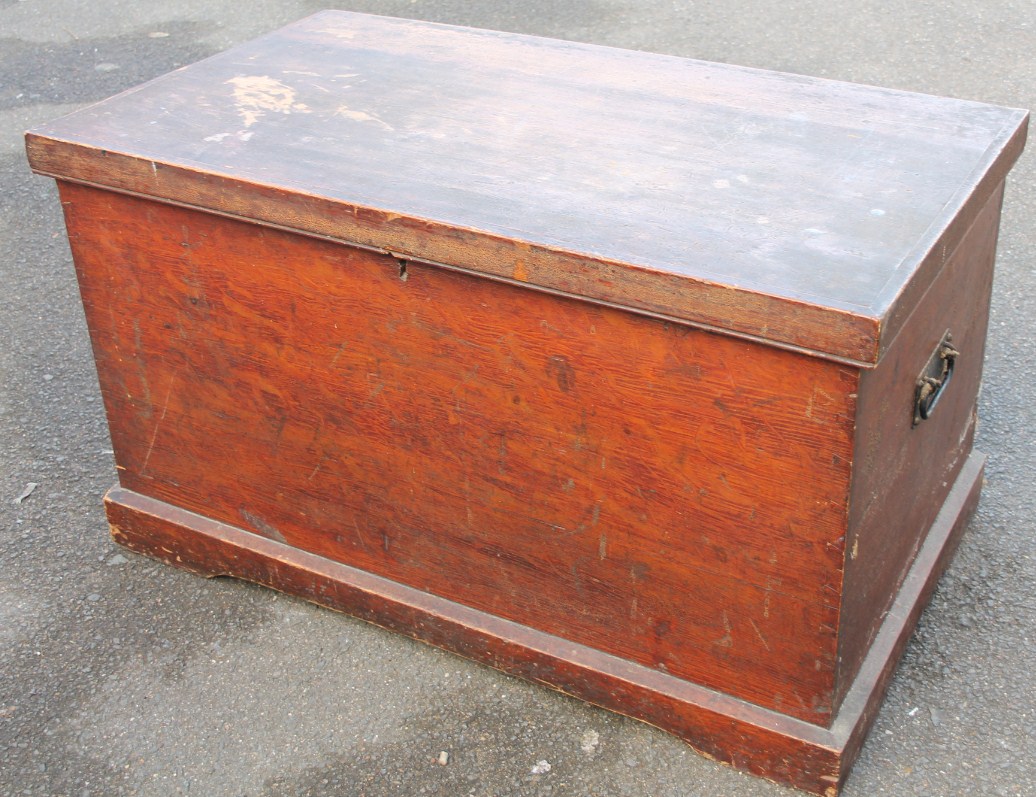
(650, 379)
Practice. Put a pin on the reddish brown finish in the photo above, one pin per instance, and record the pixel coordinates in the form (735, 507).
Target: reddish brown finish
(562, 408)
(754, 739)
(488, 444)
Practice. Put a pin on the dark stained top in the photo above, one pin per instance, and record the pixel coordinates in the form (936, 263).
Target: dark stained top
(787, 208)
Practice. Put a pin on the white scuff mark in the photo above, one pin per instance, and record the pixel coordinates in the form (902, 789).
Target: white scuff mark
(360, 116)
(256, 95)
(540, 767)
(240, 135)
(297, 72)
(338, 33)
(589, 741)
(351, 74)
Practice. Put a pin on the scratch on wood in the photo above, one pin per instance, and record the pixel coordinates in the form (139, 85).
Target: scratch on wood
(338, 353)
(602, 547)
(263, 527)
(158, 424)
(360, 116)
(727, 640)
(759, 634)
(812, 404)
(798, 697)
(316, 470)
(359, 535)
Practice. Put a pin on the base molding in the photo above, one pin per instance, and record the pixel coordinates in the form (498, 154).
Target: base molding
(725, 728)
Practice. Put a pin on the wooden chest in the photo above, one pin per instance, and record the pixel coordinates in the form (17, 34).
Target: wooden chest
(650, 379)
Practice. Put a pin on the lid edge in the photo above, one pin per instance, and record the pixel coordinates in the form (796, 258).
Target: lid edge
(840, 333)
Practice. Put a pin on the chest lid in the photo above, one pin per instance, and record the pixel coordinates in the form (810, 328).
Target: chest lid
(804, 212)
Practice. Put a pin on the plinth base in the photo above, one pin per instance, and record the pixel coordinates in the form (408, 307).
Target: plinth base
(729, 730)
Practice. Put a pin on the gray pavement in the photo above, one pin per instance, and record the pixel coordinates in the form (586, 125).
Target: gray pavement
(119, 676)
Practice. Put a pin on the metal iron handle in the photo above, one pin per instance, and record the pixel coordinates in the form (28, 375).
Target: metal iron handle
(935, 377)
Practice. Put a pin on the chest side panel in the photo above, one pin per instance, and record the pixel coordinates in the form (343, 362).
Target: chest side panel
(902, 471)
(669, 495)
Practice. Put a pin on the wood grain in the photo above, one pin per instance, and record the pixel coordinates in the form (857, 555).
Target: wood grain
(596, 366)
(578, 468)
(748, 737)
(901, 473)
(800, 211)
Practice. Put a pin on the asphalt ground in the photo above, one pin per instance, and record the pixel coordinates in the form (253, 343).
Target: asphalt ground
(119, 676)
